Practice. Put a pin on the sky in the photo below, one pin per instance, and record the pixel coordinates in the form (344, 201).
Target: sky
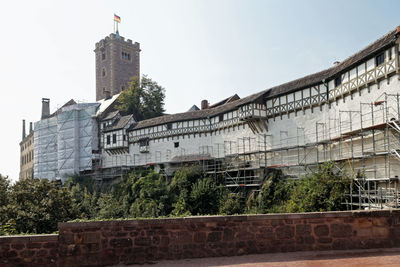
(195, 49)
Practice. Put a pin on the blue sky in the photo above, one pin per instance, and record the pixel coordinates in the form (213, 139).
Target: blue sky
(195, 49)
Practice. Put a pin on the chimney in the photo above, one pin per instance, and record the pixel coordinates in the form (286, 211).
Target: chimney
(30, 127)
(45, 108)
(336, 63)
(107, 95)
(23, 130)
(204, 104)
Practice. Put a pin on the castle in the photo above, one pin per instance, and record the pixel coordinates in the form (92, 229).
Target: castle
(348, 114)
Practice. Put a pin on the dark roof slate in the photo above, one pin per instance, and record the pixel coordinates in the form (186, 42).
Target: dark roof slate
(110, 115)
(194, 108)
(226, 100)
(69, 103)
(119, 123)
(288, 87)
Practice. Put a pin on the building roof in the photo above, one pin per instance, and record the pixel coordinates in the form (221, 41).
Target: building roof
(226, 100)
(194, 108)
(110, 115)
(119, 123)
(304, 82)
(69, 103)
(106, 105)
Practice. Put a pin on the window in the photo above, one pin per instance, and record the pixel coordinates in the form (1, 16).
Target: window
(338, 81)
(144, 142)
(114, 138)
(104, 125)
(103, 55)
(108, 139)
(221, 117)
(124, 138)
(126, 56)
(176, 144)
(380, 59)
(103, 73)
(169, 126)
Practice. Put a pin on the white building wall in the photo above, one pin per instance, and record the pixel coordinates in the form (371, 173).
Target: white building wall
(322, 122)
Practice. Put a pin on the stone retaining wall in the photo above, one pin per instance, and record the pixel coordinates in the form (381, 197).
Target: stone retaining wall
(103, 243)
(39, 250)
(138, 241)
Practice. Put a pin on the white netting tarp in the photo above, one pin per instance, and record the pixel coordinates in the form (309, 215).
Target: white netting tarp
(64, 143)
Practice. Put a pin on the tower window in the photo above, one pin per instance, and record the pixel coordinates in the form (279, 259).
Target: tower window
(126, 56)
(103, 55)
(103, 73)
(380, 59)
(176, 144)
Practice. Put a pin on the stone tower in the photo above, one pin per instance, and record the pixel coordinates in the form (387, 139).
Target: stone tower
(117, 61)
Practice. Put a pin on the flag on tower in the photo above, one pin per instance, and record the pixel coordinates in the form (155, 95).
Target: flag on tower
(117, 18)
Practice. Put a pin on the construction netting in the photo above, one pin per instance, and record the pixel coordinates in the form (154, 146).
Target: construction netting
(65, 141)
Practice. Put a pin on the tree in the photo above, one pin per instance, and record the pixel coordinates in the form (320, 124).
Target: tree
(231, 203)
(144, 99)
(36, 206)
(324, 190)
(204, 197)
(4, 187)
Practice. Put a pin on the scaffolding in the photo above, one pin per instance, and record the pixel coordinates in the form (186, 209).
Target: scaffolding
(64, 142)
(366, 142)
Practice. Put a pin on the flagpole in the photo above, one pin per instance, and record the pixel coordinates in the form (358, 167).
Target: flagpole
(114, 25)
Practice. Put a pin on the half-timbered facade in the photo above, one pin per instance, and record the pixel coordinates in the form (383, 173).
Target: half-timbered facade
(293, 124)
(349, 113)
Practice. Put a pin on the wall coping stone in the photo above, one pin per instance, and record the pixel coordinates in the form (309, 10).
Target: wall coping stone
(28, 238)
(219, 218)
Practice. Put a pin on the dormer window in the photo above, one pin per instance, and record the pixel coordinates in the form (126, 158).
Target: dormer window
(338, 81)
(380, 59)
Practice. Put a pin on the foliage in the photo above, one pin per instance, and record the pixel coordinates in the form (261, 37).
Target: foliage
(4, 195)
(324, 190)
(144, 99)
(84, 196)
(231, 204)
(109, 207)
(37, 206)
(204, 197)
(8, 228)
(180, 188)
